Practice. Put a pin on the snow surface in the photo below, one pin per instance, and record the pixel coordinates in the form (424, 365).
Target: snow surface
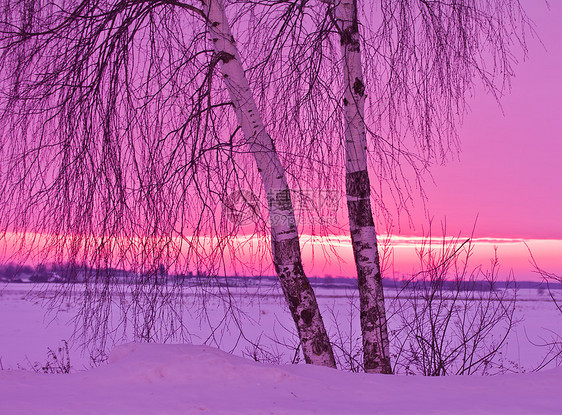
(187, 379)
(28, 329)
(191, 379)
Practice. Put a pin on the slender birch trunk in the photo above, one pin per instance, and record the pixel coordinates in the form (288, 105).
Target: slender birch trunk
(376, 355)
(284, 236)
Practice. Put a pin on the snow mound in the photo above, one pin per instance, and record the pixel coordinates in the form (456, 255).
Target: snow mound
(186, 379)
(180, 363)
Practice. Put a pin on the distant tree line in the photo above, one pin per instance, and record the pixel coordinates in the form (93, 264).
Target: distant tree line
(57, 273)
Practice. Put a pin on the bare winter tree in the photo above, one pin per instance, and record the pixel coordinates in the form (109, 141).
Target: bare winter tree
(549, 278)
(451, 317)
(284, 235)
(82, 83)
(376, 354)
(118, 142)
(553, 345)
(399, 81)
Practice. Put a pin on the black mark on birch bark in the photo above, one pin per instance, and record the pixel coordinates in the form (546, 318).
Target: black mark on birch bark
(307, 316)
(283, 199)
(319, 346)
(363, 262)
(350, 39)
(287, 252)
(357, 184)
(358, 87)
(360, 212)
(372, 363)
(225, 57)
(370, 317)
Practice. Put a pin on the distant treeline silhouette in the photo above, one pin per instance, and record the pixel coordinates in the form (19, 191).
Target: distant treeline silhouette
(73, 273)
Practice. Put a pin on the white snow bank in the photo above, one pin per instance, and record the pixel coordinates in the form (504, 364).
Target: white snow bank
(185, 379)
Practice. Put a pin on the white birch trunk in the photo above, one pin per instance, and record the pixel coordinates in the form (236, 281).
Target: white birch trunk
(376, 354)
(284, 236)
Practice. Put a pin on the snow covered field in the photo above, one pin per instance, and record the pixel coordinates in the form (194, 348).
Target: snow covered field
(183, 379)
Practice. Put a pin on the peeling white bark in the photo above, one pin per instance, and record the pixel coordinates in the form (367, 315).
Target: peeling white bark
(284, 237)
(376, 354)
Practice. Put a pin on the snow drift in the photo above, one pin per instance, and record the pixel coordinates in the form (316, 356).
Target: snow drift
(186, 379)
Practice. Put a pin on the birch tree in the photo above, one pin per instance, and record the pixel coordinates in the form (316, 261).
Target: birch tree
(376, 346)
(435, 84)
(400, 82)
(396, 72)
(284, 235)
(118, 140)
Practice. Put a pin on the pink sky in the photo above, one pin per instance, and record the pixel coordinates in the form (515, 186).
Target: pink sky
(510, 167)
(509, 172)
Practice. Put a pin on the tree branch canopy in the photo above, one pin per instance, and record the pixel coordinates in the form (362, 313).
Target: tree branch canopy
(112, 127)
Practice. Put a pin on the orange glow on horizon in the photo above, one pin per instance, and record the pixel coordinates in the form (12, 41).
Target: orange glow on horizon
(333, 256)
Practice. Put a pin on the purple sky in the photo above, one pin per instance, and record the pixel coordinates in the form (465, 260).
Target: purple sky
(509, 172)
